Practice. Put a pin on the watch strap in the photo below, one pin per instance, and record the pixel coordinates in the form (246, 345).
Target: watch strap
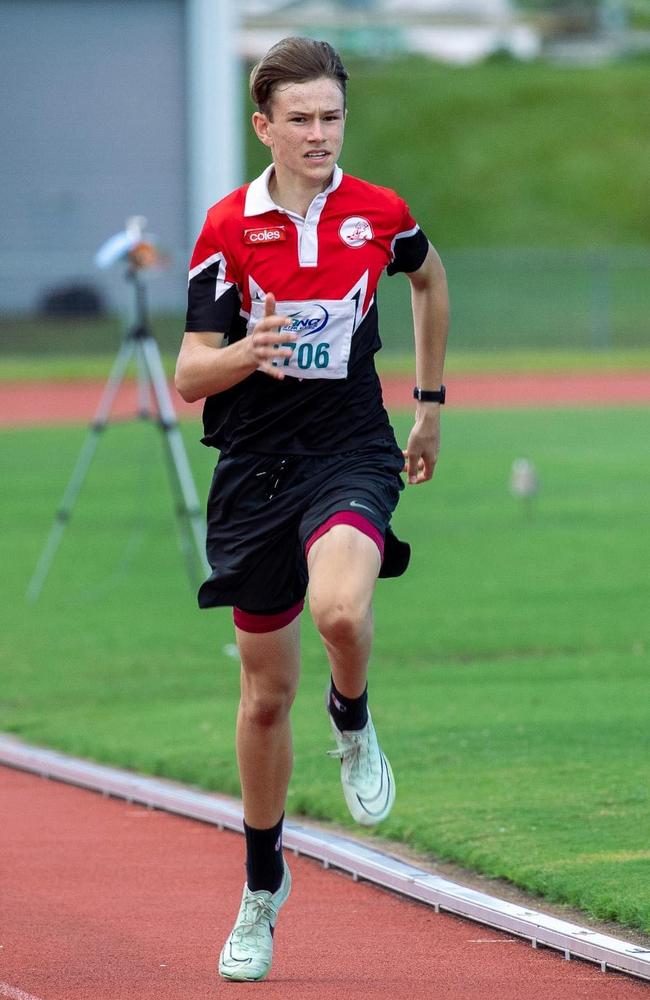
(430, 395)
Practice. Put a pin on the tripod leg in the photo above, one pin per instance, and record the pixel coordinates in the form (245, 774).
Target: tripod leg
(113, 383)
(185, 535)
(145, 410)
(180, 471)
(193, 560)
(81, 468)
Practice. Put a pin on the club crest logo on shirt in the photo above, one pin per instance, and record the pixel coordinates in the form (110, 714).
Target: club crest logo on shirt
(268, 234)
(355, 231)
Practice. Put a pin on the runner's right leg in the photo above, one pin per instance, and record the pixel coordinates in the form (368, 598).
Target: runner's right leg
(269, 679)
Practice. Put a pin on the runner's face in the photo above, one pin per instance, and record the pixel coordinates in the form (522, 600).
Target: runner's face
(305, 134)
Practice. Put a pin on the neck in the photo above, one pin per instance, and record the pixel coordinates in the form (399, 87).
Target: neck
(292, 193)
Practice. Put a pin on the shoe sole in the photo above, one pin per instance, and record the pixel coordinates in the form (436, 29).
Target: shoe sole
(243, 979)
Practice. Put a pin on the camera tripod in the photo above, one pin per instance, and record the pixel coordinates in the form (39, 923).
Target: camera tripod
(140, 345)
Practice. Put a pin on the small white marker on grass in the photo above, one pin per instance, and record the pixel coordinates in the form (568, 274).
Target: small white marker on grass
(524, 481)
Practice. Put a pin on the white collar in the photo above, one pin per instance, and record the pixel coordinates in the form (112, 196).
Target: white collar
(258, 199)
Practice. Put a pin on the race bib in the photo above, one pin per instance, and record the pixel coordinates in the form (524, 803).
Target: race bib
(324, 329)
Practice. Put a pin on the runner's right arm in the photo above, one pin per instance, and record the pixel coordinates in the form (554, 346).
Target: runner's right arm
(205, 368)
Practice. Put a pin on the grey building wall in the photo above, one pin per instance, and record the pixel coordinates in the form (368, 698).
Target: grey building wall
(92, 119)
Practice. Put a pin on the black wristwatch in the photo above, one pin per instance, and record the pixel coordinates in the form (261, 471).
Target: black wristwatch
(430, 395)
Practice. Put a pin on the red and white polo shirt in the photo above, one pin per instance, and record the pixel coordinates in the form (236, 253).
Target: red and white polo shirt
(323, 270)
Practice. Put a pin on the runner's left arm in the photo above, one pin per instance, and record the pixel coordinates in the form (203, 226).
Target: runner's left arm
(430, 305)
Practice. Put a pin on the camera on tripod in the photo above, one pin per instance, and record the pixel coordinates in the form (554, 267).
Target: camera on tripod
(135, 246)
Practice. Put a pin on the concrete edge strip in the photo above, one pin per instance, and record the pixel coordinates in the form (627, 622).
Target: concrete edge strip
(361, 861)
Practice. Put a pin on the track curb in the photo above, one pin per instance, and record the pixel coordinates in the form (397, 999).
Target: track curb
(347, 854)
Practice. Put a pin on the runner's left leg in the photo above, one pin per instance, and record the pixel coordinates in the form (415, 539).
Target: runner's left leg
(343, 567)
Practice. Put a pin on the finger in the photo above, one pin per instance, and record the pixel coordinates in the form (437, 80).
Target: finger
(271, 329)
(412, 463)
(269, 369)
(273, 355)
(426, 468)
(274, 349)
(270, 355)
(269, 304)
(428, 464)
(271, 348)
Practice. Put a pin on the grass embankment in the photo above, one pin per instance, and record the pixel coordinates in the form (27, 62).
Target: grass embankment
(509, 679)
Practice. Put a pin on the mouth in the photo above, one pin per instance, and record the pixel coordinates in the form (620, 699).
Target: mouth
(317, 155)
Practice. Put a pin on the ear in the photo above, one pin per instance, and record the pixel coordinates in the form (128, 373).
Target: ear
(261, 126)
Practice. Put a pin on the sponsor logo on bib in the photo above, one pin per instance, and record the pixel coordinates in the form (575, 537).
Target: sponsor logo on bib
(269, 234)
(321, 332)
(308, 322)
(355, 231)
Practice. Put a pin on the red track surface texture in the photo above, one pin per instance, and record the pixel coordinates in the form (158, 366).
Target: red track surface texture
(103, 900)
(38, 403)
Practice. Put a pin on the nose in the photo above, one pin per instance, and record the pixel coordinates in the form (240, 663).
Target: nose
(316, 131)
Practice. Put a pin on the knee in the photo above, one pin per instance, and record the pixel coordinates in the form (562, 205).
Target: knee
(341, 623)
(265, 709)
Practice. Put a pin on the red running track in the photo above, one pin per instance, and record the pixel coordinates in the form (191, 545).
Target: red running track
(38, 403)
(104, 900)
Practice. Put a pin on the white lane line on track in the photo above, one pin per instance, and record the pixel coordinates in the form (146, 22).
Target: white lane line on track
(13, 993)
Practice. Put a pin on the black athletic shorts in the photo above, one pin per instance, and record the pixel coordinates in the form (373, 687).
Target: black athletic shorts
(262, 509)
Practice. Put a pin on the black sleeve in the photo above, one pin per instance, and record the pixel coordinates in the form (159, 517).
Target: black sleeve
(409, 253)
(212, 301)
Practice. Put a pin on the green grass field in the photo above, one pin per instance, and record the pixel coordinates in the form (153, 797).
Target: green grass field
(510, 673)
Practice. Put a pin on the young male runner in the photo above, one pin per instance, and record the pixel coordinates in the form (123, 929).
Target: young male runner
(284, 275)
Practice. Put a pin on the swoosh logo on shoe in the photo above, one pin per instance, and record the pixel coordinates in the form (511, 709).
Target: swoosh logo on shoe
(226, 959)
(386, 775)
(353, 503)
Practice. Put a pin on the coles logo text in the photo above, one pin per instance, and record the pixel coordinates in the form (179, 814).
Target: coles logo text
(270, 234)
(355, 231)
(308, 322)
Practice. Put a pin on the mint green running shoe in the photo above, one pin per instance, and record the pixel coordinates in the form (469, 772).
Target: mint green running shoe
(366, 775)
(246, 956)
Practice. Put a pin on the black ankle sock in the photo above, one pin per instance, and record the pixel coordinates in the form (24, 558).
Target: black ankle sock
(349, 714)
(264, 863)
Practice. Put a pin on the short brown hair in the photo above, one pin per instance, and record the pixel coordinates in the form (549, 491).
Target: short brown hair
(295, 60)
